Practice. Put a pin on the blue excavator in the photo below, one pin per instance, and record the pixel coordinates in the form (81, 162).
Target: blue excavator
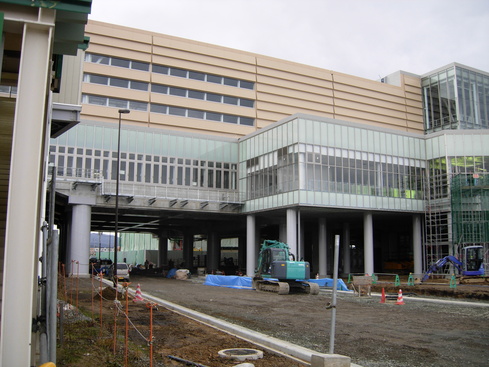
(472, 264)
(279, 272)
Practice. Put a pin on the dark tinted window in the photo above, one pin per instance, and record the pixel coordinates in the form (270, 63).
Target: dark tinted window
(230, 100)
(157, 88)
(196, 94)
(214, 79)
(120, 62)
(213, 116)
(178, 72)
(158, 108)
(178, 92)
(160, 69)
(177, 111)
(213, 97)
(140, 66)
(230, 81)
(196, 75)
(246, 85)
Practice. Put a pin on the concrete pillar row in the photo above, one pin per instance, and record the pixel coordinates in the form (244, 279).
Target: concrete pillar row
(368, 243)
(417, 245)
(323, 253)
(346, 248)
(251, 245)
(79, 252)
(188, 249)
(162, 248)
(291, 216)
(213, 251)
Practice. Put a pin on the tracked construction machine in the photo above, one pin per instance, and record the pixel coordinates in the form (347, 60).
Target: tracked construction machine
(278, 272)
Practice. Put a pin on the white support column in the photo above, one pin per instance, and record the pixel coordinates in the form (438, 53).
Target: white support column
(323, 254)
(301, 251)
(22, 230)
(292, 230)
(346, 248)
(188, 248)
(162, 248)
(251, 245)
(213, 251)
(368, 243)
(80, 239)
(417, 245)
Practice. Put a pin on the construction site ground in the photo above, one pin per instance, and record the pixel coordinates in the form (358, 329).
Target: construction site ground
(416, 333)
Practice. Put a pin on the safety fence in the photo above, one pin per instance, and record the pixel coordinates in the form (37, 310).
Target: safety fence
(395, 279)
(110, 328)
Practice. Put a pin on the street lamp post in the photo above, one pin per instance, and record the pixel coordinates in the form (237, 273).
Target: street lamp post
(116, 227)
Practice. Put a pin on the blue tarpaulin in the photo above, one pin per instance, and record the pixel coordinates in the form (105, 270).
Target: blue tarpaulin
(245, 282)
(229, 281)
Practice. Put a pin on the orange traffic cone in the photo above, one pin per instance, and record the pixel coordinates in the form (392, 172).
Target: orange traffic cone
(138, 296)
(382, 298)
(399, 298)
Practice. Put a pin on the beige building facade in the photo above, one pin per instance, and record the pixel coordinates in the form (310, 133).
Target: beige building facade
(242, 92)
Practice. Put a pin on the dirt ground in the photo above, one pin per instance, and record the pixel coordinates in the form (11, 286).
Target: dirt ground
(373, 334)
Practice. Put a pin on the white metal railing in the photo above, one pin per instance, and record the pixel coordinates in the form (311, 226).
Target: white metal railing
(170, 192)
(140, 189)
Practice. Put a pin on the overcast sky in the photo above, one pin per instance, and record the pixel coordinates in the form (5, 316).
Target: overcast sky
(366, 38)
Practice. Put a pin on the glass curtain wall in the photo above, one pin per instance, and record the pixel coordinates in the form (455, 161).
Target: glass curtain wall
(333, 169)
(457, 205)
(156, 158)
(456, 98)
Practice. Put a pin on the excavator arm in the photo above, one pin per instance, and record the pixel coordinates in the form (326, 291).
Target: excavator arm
(440, 264)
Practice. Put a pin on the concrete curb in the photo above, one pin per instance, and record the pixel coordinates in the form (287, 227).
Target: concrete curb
(292, 350)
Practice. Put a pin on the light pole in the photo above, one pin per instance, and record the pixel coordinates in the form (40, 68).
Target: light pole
(116, 227)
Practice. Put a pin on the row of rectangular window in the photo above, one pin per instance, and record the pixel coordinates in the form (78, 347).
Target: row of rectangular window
(195, 94)
(167, 110)
(171, 171)
(203, 115)
(140, 157)
(164, 89)
(167, 70)
(195, 75)
(115, 61)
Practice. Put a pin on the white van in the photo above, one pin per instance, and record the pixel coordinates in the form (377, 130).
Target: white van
(122, 272)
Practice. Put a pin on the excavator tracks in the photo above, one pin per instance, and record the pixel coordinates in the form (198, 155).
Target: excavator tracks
(281, 288)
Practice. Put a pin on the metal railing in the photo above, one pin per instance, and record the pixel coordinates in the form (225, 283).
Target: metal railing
(146, 190)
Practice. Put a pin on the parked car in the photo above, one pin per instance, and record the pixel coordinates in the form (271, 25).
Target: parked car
(122, 272)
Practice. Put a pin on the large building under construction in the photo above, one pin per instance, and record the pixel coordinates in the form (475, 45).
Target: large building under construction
(213, 150)
(225, 144)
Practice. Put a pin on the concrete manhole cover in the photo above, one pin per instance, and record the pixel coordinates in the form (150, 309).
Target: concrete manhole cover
(241, 354)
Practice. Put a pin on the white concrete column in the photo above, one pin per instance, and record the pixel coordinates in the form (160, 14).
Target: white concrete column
(368, 243)
(80, 239)
(251, 245)
(301, 251)
(162, 248)
(292, 230)
(323, 254)
(213, 251)
(22, 231)
(346, 248)
(188, 249)
(417, 245)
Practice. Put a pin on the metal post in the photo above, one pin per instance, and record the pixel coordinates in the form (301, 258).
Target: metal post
(335, 286)
(52, 294)
(116, 227)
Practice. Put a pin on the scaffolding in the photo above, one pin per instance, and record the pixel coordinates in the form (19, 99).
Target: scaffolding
(470, 212)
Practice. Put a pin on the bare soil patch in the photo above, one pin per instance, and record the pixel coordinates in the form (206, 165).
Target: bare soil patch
(373, 334)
